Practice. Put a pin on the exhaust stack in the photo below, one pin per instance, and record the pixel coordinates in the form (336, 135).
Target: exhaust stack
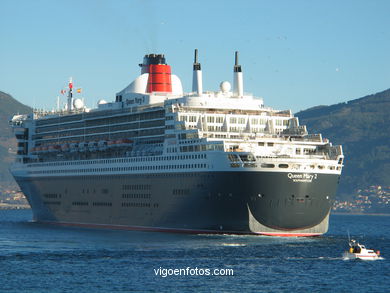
(197, 83)
(238, 82)
(159, 73)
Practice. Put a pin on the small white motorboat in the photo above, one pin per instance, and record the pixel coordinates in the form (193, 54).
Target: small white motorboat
(359, 251)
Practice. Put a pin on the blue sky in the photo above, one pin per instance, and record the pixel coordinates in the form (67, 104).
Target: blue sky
(294, 54)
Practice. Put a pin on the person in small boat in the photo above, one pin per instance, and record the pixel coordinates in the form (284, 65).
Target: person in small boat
(356, 249)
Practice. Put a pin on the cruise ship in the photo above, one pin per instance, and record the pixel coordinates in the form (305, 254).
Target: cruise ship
(159, 159)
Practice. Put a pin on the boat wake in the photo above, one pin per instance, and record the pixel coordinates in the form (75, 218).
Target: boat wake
(233, 244)
(347, 256)
(314, 258)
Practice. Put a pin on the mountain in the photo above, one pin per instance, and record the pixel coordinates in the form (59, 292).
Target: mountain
(8, 107)
(361, 126)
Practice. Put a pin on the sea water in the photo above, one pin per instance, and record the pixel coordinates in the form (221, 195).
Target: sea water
(44, 258)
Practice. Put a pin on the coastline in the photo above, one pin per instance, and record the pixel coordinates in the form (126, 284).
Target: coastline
(360, 214)
(6, 206)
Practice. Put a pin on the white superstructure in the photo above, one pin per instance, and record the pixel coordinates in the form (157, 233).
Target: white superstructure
(238, 126)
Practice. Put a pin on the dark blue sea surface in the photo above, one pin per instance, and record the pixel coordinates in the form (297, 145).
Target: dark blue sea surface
(43, 258)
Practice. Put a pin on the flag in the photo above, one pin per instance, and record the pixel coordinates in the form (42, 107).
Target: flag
(63, 92)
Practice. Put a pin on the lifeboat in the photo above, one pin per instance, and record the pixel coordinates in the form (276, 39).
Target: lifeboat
(119, 143)
(54, 148)
(111, 143)
(123, 142)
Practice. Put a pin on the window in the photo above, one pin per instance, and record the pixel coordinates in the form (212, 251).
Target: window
(192, 119)
(102, 204)
(266, 165)
(233, 158)
(219, 119)
(210, 119)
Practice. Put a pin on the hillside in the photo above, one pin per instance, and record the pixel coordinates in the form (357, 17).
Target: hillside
(8, 107)
(361, 126)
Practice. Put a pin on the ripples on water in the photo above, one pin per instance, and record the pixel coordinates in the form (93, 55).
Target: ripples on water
(42, 258)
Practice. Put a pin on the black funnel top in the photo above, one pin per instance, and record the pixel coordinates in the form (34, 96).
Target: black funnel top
(196, 64)
(154, 59)
(237, 67)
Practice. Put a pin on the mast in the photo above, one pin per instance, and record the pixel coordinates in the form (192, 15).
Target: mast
(238, 82)
(197, 83)
(70, 95)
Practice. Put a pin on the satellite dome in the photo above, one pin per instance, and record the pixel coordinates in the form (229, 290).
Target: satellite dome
(102, 102)
(78, 104)
(225, 86)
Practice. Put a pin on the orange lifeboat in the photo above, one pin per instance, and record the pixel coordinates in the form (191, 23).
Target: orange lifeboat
(54, 148)
(123, 142)
(119, 142)
(111, 143)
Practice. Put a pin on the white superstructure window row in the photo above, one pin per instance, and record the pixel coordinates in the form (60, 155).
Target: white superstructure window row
(123, 160)
(233, 122)
(191, 166)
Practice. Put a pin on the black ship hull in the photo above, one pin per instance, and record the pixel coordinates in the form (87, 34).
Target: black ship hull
(270, 203)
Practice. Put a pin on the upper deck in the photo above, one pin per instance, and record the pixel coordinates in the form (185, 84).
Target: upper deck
(153, 116)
